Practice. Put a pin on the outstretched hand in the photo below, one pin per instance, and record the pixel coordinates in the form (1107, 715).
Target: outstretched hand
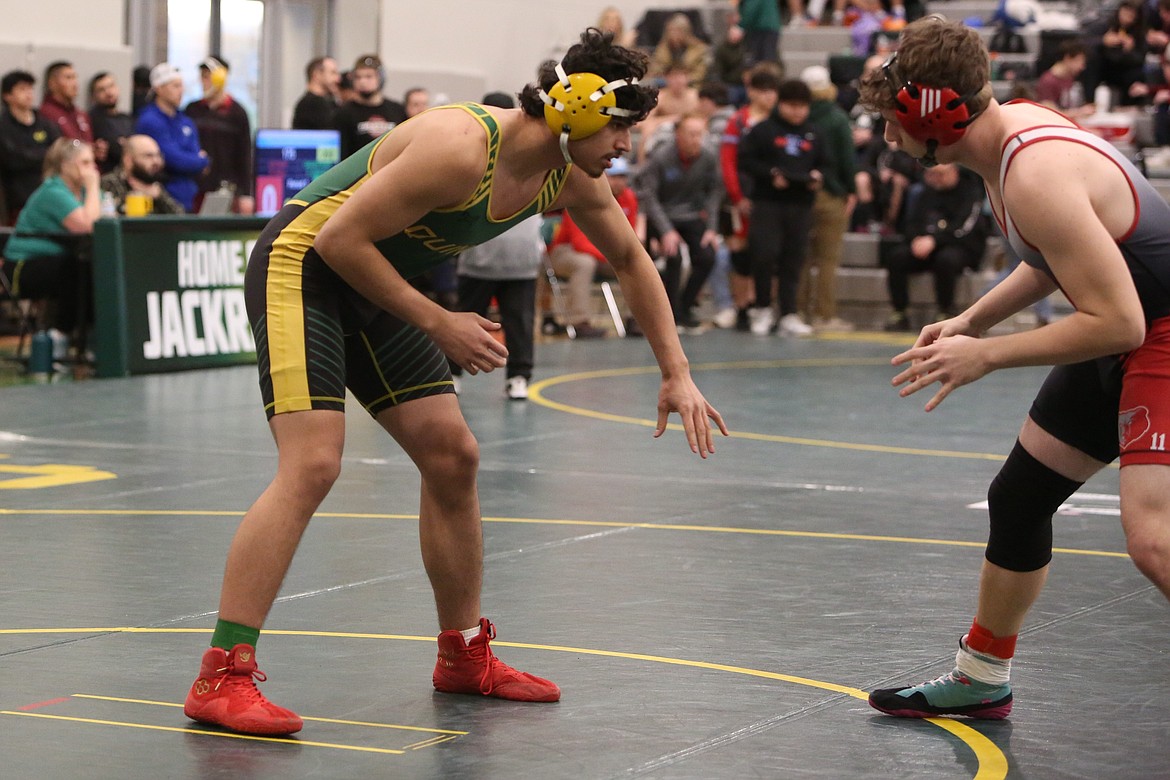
(680, 395)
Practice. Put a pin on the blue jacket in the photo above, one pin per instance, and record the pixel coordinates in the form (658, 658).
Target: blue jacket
(178, 140)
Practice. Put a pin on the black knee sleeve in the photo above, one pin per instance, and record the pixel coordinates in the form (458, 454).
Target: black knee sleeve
(1021, 501)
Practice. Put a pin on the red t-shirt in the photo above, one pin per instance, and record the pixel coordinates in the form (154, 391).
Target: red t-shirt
(572, 235)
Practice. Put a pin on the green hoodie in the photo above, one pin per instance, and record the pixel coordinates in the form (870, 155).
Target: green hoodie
(832, 123)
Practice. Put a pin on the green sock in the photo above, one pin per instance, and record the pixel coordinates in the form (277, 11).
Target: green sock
(227, 635)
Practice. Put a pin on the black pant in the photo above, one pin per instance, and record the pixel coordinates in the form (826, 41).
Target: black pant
(702, 261)
(946, 263)
(516, 299)
(52, 278)
(778, 244)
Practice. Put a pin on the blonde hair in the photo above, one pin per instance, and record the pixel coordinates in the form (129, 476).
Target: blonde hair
(937, 53)
(611, 12)
(62, 151)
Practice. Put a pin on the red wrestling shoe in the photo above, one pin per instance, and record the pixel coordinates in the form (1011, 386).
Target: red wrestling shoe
(471, 667)
(226, 695)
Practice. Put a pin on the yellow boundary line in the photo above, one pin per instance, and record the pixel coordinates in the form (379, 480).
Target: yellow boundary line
(715, 529)
(992, 763)
(536, 395)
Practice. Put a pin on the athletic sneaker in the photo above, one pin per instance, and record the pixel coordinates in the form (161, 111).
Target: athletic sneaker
(226, 695)
(793, 325)
(472, 667)
(760, 320)
(898, 323)
(516, 388)
(952, 694)
(724, 318)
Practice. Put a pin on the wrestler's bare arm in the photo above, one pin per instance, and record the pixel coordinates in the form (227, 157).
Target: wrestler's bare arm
(1066, 205)
(597, 213)
(1070, 202)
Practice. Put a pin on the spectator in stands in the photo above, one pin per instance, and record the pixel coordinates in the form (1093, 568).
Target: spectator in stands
(67, 201)
(1158, 27)
(884, 173)
(415, 101)
(574, 256)
(504, 269)
(871, 18)
(1060, 87)
(226, 135)
(760, 22)
(832, 205)
(25, 137)
(345, 91)
(1160, 99)
(680, 47)
(174, 132)
(1123, 53)
(783, 156)
(811, 13)
(676, 99)
(946, 233)
(680, 189)
(111, 126)
(369, 114)
(140, 83)
(763, 84)
(610, 20)
(140, 172)
(716, 109)
(60, 102)
(729, 61)
(315, 109)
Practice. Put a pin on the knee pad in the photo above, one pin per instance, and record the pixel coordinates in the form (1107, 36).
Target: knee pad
(1021, 501)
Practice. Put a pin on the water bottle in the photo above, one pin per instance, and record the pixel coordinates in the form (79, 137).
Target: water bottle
(109, 206)
(1102, 98)
(60, 344)
(1076, 95)
(40, 355)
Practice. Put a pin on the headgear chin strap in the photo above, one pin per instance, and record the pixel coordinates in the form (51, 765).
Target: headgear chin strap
(935, 116)
(580, 104)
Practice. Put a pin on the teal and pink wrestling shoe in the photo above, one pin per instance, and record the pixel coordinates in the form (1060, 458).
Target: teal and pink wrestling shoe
(952, 694)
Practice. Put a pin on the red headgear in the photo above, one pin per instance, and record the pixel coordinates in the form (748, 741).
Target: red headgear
(935, 116)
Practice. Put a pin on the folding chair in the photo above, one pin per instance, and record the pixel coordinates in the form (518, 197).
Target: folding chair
(27, 313)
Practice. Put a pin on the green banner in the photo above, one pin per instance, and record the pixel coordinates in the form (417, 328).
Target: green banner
(169, 293)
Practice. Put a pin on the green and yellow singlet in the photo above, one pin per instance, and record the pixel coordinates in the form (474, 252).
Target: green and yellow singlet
(440, 234)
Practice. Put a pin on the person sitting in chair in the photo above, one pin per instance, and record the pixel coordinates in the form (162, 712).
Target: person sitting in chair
(67, 202)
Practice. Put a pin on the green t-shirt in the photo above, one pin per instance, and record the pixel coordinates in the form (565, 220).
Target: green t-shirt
(45, 212)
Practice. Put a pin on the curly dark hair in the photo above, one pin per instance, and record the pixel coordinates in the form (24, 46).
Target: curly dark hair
(597, 53)
(934, 52)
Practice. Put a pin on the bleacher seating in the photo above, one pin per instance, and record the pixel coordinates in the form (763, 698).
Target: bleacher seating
(861, 280)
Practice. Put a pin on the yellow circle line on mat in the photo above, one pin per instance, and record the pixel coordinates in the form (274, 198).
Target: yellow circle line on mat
(715, 529)
(536, 395)
(992, 762)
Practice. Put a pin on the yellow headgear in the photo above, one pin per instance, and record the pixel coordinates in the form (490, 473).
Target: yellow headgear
(580, 104)
(216, 72)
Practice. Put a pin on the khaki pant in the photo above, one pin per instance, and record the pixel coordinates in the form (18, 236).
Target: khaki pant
(817, 298)
(578, 268)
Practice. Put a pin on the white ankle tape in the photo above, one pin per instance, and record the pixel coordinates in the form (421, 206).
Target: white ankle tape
(984, 668)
